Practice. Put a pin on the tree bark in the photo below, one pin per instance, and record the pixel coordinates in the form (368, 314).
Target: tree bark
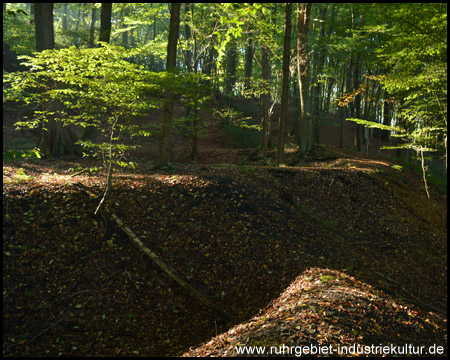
(91, 132)
(166, 129)
(230, 76)
(266, 74)
(105, 22)
(55, 138)
(385, 134)
(43, 20)
(248, 64)
(356, 83)
(65, 26)
(284, 82)
(92, 28)
(319, 59)
(303, 15)
(265, 99)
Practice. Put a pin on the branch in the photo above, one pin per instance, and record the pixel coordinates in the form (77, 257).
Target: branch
(171, 272)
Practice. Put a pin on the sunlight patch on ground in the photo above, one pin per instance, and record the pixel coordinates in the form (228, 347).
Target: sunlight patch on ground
(182, 179)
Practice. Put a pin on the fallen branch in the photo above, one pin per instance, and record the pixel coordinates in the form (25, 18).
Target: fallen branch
(171, 272)
(43, 332)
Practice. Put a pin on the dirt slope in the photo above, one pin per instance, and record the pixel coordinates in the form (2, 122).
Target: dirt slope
(328, 313)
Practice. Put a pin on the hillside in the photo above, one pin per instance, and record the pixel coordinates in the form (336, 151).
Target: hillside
(241, 234)
(326, 312)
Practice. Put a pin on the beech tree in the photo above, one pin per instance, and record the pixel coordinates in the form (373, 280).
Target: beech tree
(105, 22)
(374, 62)
(284, 82)
(166, 127)
(305, 126)
(56, 139)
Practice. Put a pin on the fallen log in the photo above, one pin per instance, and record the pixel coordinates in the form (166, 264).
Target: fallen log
(171, 272)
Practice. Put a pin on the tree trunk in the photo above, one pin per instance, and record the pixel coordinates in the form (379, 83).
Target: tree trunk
(356, 82)
(91, 132)
(105, 22)
(303, 15)
(284, 82)
(65, 27)
(319, 59)
(248, 64)
(342, 119)
(386, 119)
(56, 139)
(92, 29)
(265, 99)
(266, 74)
(124, 12)
(349, 109)
(166, 129)
(230, 76)
(187, 36)
(43, 20)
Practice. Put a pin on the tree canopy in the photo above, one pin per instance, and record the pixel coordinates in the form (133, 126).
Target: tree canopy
(385, 64)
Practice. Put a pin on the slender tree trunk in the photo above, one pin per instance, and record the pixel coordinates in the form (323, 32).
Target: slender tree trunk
(284, 82)
(356, 83)
(342, 119)
(230, 75)
(65, 27)
(248, 64)
(92, 29)
(125, 12)
(266, 74)
(188, 36)
(386, 119)
(319, 57)
(192, 67)
(303, 14)
(166, 129)
(265, 99)
(90, 132)
(349, 109)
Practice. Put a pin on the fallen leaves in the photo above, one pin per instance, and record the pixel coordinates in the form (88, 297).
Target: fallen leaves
(235, 237)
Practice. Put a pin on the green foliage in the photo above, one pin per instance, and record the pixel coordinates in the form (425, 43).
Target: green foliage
(415, 51)
(397, 167)
(97, 87)
(18, 30)
(21, 176)
(375, 125)
(9, 155)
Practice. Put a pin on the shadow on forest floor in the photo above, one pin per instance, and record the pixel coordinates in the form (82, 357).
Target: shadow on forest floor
(75, 285)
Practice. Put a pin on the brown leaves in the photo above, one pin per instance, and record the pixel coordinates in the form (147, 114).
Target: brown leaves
(235, 237)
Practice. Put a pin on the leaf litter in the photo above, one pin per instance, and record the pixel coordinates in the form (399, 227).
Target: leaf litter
(74, 285)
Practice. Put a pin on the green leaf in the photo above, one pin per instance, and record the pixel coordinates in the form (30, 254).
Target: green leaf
(326, 278)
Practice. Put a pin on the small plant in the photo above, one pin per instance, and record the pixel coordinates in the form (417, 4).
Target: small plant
(397, 167)
(246, 170)
(21, 176)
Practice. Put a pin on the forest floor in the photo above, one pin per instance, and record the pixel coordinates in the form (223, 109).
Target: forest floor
(353, 245)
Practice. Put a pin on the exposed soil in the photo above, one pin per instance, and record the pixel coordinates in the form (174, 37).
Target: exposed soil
(239, 232)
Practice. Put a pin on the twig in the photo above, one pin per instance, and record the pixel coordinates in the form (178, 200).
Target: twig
(43, 332)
